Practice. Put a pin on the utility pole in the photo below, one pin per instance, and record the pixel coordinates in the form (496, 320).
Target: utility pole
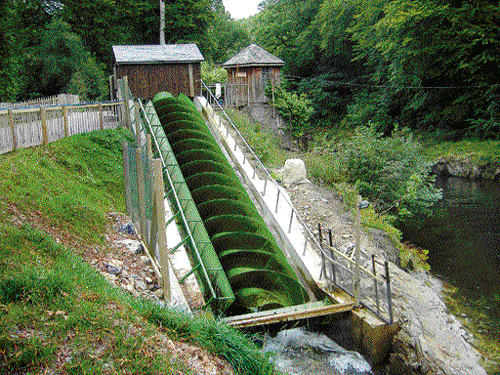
(162, 22)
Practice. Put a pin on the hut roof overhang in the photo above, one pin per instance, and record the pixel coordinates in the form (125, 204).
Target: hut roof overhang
(253, 55)
(157, 54)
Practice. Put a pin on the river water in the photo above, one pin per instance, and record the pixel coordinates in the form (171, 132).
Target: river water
(463, 239)
(463, 235)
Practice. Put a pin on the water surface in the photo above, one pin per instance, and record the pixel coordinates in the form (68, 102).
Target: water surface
(463, 236)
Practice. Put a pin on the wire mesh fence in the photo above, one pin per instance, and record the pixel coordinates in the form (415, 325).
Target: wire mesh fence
(139, 179)
(144, 193)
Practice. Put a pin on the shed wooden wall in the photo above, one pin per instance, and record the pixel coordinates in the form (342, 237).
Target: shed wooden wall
(258, 78)
(146, 80)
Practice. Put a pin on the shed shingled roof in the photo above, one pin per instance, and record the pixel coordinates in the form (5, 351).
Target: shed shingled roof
(253, 55)
(151, 54)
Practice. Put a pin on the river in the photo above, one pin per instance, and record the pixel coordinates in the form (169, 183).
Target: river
(463, 239)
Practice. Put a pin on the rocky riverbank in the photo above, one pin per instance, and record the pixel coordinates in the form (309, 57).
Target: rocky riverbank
(465, 167)
(430, 340)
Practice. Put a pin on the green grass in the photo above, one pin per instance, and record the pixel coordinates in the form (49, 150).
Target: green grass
(478, 152)
(264, 144)
(36, 180)
(56, 312)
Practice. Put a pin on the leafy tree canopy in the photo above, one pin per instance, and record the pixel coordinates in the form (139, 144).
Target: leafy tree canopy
(427, 65)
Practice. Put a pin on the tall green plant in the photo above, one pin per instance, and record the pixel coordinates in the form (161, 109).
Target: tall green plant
(391, 171)
(296, 110)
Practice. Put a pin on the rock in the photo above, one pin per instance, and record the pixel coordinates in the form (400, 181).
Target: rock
(113, 266)
(132, 246)
(129, 287)
(431, 340)
(464, 167)
(297, 352)
(127, 228)
(113, 270)
(294, 172)
(144, 261)
(115, 262)
(158, 293)
(110, 277)
(140, 285)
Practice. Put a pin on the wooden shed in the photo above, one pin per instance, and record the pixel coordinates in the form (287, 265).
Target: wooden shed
(153, 68)
(249, 73)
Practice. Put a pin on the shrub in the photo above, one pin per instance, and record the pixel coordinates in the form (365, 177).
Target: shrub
(390, 171)
(211, 73)
(295, 109)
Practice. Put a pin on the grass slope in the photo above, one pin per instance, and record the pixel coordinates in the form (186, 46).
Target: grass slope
(57, 314)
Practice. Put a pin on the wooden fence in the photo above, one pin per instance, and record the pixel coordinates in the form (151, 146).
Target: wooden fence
(61, 99)
(28, 127)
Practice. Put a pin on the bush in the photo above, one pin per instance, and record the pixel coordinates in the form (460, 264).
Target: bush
(211, 73)
(295, 109)
(390, 171)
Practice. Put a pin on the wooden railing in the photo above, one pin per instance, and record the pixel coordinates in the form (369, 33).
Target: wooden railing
(61, 99)
(35, 126)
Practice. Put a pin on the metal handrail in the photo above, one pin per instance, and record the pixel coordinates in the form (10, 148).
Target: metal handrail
(310, 236)
(267, 174)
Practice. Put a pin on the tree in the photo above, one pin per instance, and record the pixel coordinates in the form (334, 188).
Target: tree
(9, 64)
(226, 36)
(296, 110)
(433, 64)
(391, 171)
(281, 27)
(59, 63)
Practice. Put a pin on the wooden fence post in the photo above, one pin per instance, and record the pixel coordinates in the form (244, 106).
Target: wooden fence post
(43, 118)
(357, 250)
(161, 227)
(11, 123)
(191, 80)
(101, 117)
(124, 85)
(142, 192)
(111, 87)
(65, 120)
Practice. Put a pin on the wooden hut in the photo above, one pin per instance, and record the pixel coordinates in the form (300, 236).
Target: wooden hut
(249, 73)
(153, 68)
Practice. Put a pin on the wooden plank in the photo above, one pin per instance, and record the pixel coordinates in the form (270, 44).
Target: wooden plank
(43, 118)
(11, 123)
(161, 226)
(65, 120)
(287, 314)
(126, 177)
(191, 80)
(138, 123)
(101, 117)
(141, 192)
